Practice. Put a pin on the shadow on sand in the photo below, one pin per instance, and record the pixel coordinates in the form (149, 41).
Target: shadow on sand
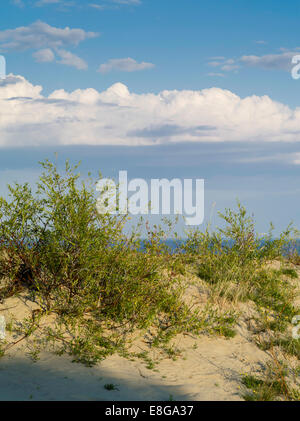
(57, 379)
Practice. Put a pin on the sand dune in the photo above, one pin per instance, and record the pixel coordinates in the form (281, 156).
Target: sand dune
(209, 369)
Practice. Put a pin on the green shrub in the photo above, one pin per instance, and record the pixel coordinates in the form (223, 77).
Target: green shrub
(233, 259)
(101, 283)
(74, 258)
(80, 265)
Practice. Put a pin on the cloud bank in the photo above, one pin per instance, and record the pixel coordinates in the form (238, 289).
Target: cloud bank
(118, 117)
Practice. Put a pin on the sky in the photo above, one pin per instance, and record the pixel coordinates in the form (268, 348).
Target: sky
(175, 89)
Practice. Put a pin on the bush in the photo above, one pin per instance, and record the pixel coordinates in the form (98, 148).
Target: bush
(75, 259)
(233, 259)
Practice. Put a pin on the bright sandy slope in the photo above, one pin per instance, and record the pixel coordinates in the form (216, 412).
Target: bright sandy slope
(209, 368)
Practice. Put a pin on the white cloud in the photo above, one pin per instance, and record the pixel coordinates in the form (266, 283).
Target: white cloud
(70, 59)
(227, 65)
(97, 6)
(18, 3)
(295, 158)
(230, 67)
(41, 35)
(213, 74)
(270, 61)
(45, 2)
(218, 58)
(214, 63)
(106, 4)
(62, 5)
(126, 1)
(281, 61)
(114, 4)
(66, 57)
(124, 65)
(44, 56)
(45, 39)
(118, 117)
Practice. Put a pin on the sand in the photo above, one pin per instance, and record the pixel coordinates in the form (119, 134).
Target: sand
(209, 369)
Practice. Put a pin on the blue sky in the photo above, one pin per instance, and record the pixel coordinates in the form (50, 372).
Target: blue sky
(198, 89)
(179, 37)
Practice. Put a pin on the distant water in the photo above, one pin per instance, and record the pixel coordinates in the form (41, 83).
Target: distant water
(173, 245)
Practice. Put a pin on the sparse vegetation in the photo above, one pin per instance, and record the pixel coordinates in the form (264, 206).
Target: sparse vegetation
(100, 284)
(273, 386)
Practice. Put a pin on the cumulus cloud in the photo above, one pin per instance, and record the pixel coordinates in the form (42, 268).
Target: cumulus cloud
(44, 56)
(227, 65)
(270, 61)
(124, 65)
(46, 40)
(70, 59)
(117, 116)
(280, 61)
(41, 35)
(66, 57)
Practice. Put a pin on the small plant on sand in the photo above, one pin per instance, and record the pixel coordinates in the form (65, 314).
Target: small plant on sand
(232, 259)
(110, 386)
(273, 385)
